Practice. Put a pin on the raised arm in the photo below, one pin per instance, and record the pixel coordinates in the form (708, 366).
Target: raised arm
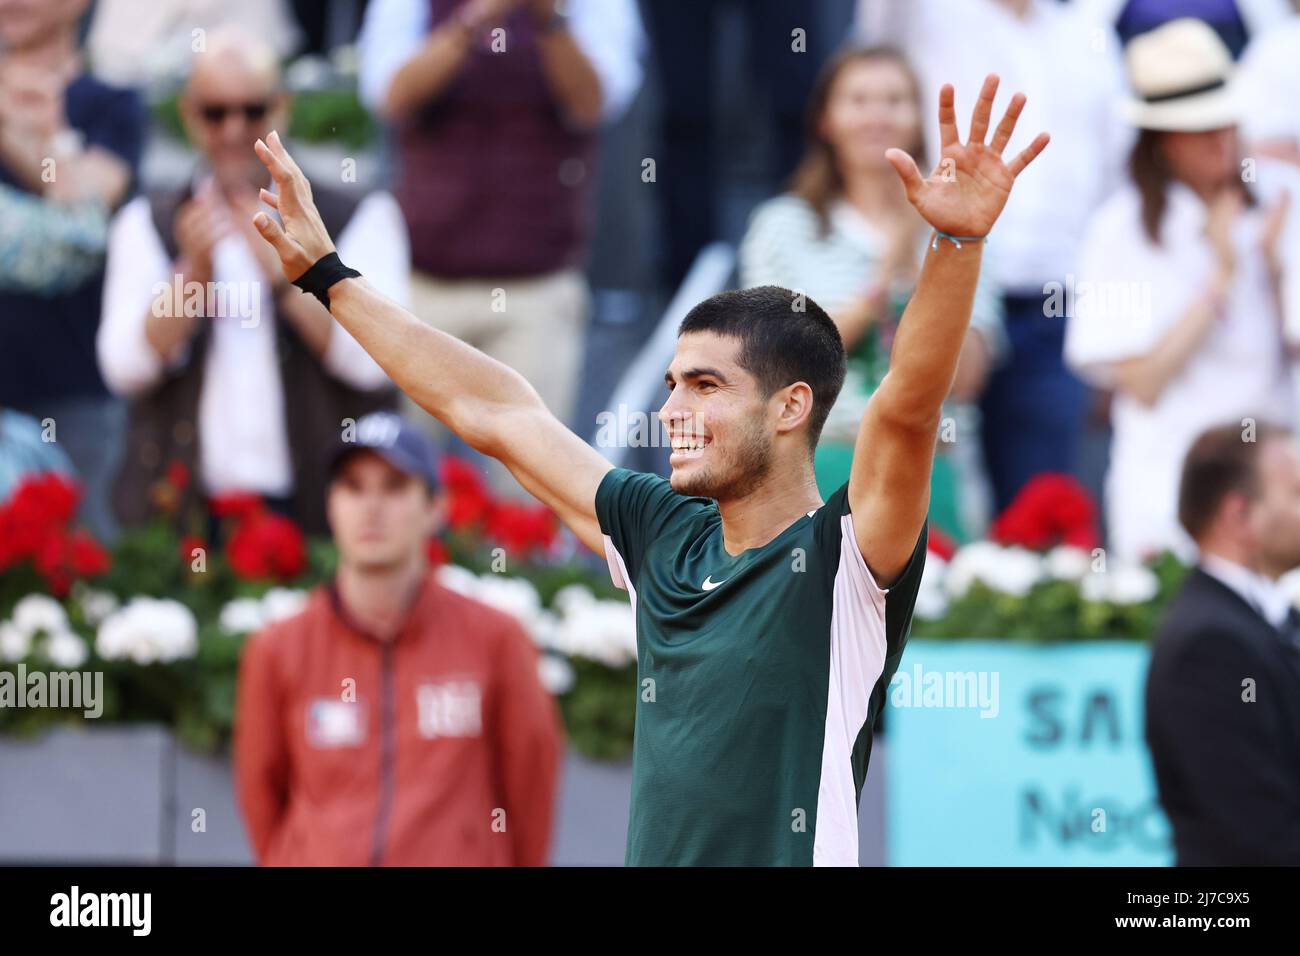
(490, 405)
(889, 485)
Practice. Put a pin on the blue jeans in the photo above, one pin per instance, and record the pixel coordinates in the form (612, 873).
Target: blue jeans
(91, 430)
(1033, 407)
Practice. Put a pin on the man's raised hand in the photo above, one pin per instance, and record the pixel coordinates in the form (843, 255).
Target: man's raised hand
(970, 183)
(303, 239)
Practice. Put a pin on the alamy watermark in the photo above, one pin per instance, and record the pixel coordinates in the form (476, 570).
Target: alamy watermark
(65, 690)
(974, 690)
(236, 300)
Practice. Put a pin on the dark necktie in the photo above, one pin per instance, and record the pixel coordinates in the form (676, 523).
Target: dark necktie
(1290, 629)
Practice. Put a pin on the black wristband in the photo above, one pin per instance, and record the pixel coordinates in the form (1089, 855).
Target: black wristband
(327, 271)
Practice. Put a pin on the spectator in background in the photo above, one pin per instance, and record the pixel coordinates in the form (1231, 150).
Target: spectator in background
(69, 141)
(1034, 409)
(846, 236)
(1223, 689)
(137, 44)
(496, 105)
(393, 721)
(1236, 21)
(1269, 83)
(786, 46)
(246, 387)
(1179, 288)
(24, 452)
(49, 248)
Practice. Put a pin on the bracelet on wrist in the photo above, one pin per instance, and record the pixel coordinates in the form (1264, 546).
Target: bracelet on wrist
(955, 240)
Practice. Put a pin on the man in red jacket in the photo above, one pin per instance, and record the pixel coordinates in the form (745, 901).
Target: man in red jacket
(393, 721)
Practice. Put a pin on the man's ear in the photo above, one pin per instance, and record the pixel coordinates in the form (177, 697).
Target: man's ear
(796, 406)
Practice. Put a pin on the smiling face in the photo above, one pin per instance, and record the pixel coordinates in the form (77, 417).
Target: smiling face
(380, 517)
(233, 97)
(720, 423)
(1206, 161)
(871, 106)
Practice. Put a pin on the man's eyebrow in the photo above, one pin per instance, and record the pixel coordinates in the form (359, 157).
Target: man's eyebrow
(691, 373)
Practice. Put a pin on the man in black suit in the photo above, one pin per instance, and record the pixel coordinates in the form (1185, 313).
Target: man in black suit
(1223, 691)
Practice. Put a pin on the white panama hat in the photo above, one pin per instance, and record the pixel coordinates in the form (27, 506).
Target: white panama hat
(1180, 77)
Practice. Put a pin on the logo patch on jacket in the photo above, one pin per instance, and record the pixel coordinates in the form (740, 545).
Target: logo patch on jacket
(449, 709)
(335, 723)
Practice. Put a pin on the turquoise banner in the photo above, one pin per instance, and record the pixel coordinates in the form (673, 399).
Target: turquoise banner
(1009, 754)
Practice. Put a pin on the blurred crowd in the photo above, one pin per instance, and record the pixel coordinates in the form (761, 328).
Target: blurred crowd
(543, 175)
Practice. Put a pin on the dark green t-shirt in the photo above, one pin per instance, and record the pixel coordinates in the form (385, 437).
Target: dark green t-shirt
(760, 677)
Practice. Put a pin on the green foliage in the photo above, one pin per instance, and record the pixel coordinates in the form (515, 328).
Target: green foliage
(600, 711)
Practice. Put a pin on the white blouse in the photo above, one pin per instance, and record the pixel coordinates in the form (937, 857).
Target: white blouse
(1128, 294)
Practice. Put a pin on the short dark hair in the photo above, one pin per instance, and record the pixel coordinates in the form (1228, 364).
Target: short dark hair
(785, 338)
(1220, 461)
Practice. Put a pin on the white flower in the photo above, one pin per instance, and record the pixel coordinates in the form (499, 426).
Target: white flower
(516, 596)
(241, 616)
(602, 631)
(1067, 563)
(1009, 570)
(556, 674)
(279, 603)
(95, 605)
(1121, 584)
(931, 600)
(15, 644)
(148, 630)
(1133, 584)
(39, 612)
(66, 650)
(1095, 586)
(461, 580)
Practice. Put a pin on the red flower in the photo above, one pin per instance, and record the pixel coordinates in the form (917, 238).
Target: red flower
(521, 529)
(189, 544)
(267, 546)
(88, 556)
(468, 501)
(436, 552)
(178, 475)
(44, 501)
(63, 557)
(236, 504)
(1050, 509)
(41, 506)
(939, 543)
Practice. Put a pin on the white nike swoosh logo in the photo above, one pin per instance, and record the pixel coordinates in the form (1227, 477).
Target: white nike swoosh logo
(710, 584)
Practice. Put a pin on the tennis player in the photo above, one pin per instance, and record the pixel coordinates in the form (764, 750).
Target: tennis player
(769, 623)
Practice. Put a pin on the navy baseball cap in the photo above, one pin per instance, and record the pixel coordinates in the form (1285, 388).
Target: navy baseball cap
(391, 437)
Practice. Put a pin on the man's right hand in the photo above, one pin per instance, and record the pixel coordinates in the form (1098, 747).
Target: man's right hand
(303, 239)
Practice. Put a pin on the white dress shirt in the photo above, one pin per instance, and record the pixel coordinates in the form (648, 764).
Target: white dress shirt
(243, 440)
(608, 32)
(1261, 593)
(1129, 293)
(1068, 65)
